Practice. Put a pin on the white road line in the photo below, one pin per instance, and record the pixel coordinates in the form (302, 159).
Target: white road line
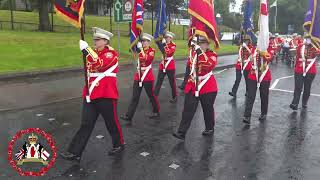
(277, 81)
(288, 91)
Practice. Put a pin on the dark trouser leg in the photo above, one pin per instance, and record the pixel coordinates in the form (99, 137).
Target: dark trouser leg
(135, 99)
(245, 74)
(148, 87)
(207, 103)
(186, 76)
(160, 78)
(237, 82)
(264, 96)
(190, 108)
(307, 88)
(108, 110)
(172, 80)
(252, 90)
(89, 118)
(298, 84)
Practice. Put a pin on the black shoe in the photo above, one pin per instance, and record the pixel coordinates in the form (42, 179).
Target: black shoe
(154, 115)
(179, 136)
(304, 106)
(263, 117)
(125, 117)
(294, 107)
(116, 150)
(208, 132)
(232, 94)
(173, 100)
(70, 157)
(247, 120)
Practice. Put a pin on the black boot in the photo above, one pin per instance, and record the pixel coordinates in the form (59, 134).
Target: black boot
(154, 115)
(294, 107)
(179, 136)
(263, 117)
(304, 106)
(126, 118)
(232, 94)
(247, 120)
(116, 150)
(70, 157)
(208, 132)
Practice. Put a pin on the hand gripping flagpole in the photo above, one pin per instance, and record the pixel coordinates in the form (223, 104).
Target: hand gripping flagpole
(85, 69)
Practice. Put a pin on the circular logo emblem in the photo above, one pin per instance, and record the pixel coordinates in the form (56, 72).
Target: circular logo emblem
(32, 146)
(128, 6)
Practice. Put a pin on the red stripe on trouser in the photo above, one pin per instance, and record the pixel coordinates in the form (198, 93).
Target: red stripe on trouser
(155, 98)
(115, 117)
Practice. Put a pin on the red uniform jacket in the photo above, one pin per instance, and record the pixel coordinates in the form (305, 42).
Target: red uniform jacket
(295, 42)
(245, 54)
(146, 60)
(206, 63)
(170, 49)
(266, 61)
(310, 53)
(98, 62)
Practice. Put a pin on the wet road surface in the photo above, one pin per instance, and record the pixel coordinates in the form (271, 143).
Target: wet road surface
(286, 146)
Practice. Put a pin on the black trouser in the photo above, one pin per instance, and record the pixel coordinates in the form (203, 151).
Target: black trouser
(299, 83)
(285, 53)
(148, 87)
(186, 76)
(264, 96)
(238, 80)
(190, 108)
(172, 80)
(90, 112)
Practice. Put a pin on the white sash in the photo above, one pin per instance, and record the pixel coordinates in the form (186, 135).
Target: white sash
(263, 75)
(169, 59)
(99, 77)
(146, 70)
(204, 79)
(312, 61)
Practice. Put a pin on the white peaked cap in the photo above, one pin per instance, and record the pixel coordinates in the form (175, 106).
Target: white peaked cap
(99, 33)
(146, 36)
(169, 34)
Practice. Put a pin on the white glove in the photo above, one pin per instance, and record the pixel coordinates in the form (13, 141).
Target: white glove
(244, 44)
(196, 47)
(139, 45)
(83, 45)
(163, 41)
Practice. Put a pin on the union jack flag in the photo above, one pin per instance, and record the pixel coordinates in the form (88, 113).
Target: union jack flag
(20, 154)
(137, 23)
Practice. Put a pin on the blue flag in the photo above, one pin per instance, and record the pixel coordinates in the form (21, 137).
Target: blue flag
(247, 25)
(161, 23)
(312, 21)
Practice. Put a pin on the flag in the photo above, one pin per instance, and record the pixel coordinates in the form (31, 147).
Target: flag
(137, 23)
(263, 37)
(312, 21)
(20, 154)
(161, 23)
(70, 10)
(45, 155)
(247, 25)
(275, 4)
(203, 21)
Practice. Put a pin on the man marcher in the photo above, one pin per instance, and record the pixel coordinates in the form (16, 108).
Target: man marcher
(207, 89)
(305, 71)
(167, 67)
(102, 66)
(144, 78)
(259, 78)
(243, 65)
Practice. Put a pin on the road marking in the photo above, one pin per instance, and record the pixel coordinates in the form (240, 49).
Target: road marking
(288, 91)
(174, 166)
(273, 86)
(100, 136)
(144, 154)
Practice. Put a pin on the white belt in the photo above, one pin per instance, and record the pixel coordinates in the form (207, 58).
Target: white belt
(204, 79)
(169, 59)
(146, 70)
(99, 77)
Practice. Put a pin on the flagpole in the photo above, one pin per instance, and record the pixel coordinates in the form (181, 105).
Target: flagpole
(84, 62)
(275, 19)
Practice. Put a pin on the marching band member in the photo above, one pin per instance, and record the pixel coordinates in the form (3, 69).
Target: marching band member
(243, 65)
(167, 67)
(305, 72)
(201, 86)
(259, 78)
(144, 78)
(102, 67)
